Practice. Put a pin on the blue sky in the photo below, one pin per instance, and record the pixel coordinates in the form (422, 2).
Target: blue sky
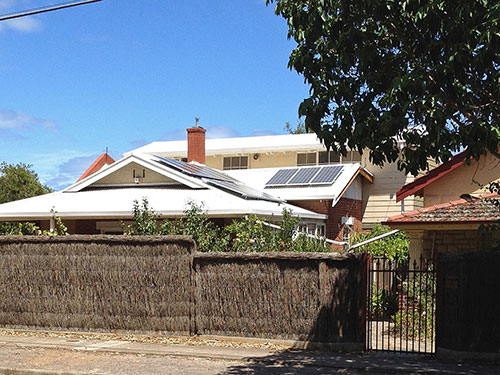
(123, 73)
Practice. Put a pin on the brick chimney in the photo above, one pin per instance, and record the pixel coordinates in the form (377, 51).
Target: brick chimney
(196, 144)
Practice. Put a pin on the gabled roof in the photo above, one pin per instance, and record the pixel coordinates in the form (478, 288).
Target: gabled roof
(482, 209)
(421, 182)
(257, 178)
(146, 161)
(223, 196)
(101, 161)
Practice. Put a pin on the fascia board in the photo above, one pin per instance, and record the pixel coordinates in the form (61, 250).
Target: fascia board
(128, 214)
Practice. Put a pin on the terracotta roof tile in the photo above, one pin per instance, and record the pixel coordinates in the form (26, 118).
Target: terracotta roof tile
(103, 159)
(478, 209)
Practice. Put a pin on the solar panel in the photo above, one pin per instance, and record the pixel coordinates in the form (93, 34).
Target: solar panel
(243, 191)
(303, 176)
(281, 177)
(327, 174)
(195, 169)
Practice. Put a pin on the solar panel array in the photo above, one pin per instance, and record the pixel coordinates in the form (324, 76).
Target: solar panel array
(243, 191)
(195, 169)
(326, 175)
(217, 179)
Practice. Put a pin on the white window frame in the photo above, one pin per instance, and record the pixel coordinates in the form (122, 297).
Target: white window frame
(231, 166)
(342, 159)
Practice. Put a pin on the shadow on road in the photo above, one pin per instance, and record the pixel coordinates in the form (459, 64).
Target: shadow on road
(294, 362)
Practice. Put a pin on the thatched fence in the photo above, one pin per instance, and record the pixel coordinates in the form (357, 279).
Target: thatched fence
(162, 284)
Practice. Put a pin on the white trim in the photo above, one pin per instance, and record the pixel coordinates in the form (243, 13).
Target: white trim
(116, 166)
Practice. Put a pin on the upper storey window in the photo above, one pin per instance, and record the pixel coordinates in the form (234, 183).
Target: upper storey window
(235, 162)
(326, 157)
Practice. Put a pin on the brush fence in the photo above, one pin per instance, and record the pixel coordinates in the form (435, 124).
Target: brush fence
(97, 283)
(298, 296)
(161, 284)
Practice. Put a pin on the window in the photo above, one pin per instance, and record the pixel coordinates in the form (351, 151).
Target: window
(316, 229)
(235, 162)
(180, 159)
(327, 157)
(306, 159)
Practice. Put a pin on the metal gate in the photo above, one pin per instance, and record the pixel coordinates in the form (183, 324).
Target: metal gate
(401, 305)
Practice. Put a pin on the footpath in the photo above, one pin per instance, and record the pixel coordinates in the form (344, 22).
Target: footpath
(26, 354)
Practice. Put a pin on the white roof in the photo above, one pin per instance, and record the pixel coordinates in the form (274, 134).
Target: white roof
(117, 203)
(258, 177)
(237, 145)
(87, 199)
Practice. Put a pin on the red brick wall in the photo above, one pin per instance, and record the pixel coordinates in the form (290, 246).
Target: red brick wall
(196, 145)
(86, 227)
(344, 207)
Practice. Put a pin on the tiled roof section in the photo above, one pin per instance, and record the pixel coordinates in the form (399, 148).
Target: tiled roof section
(480, 209)
(103, 159)
(434, 174)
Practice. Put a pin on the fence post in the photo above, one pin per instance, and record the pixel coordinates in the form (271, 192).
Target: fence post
(363, 300)
(194, 290)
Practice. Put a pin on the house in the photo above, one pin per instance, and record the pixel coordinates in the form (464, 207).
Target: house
(97, 203)
(451, 226)
(450, 180)
(333, 195)
(247, 159)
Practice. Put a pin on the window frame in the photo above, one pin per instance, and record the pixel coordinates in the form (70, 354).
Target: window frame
(232, 161)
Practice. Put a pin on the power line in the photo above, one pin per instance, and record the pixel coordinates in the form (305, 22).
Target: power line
(31, 12)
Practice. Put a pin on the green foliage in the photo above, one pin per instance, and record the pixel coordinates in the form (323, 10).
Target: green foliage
(31, 229)
(417, 319)
(19, 229)
(425, 72)
(19, 182)
(383, 303)
(396, 246)
(145, 220)
(299, 129)
(59, 227)
(249, 234)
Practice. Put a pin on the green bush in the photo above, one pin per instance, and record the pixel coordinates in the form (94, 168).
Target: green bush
(394, 247)
(250, 234)
(383, 304)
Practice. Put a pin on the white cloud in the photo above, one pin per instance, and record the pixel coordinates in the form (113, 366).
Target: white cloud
(24, 24)
(10, 119)
(60, 169)
(220, 132)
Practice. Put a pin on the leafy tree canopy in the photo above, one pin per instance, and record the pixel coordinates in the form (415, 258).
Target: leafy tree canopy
(18, 182)
(382, 71)
(299, 129)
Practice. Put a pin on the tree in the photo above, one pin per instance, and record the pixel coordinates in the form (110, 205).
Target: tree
(19, 182)
(299, 129)
(385, 71)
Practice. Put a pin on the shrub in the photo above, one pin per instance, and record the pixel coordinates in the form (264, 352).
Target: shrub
(394, 247)
(248, 234)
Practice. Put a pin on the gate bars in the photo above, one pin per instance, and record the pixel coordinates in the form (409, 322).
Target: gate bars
(401, 305)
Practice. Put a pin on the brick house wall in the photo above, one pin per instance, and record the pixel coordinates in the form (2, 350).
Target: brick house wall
(453, 241)
(344, 207)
